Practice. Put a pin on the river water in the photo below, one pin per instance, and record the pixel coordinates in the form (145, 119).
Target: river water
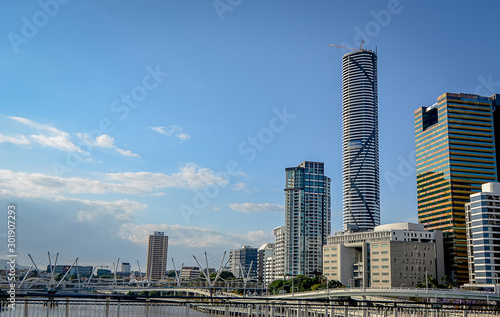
(89, 309)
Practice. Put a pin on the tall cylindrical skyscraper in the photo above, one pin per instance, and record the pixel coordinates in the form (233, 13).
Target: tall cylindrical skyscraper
(360, 154)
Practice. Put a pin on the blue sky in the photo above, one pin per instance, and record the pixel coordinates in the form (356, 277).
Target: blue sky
(120, 118)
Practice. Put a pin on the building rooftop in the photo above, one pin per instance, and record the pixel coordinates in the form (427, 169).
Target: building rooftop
(409, 226)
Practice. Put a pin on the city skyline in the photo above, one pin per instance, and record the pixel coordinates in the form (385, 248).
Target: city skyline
(113, 129)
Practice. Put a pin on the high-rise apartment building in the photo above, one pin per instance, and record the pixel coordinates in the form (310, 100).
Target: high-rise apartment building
(279, 253)
(265, 252)
(157, 256)
(360, 148)
(243, 262)
(272, 257)
(455, 150)
(483, 234)
(307, 218)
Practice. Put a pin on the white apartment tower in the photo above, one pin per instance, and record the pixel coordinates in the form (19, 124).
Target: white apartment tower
(482, 220)
(360, 148)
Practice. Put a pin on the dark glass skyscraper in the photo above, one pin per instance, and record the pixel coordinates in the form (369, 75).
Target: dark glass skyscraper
(456, 154)
(360, 153)
(307, 218)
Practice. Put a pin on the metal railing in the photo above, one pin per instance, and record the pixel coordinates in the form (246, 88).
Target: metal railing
(123, 306)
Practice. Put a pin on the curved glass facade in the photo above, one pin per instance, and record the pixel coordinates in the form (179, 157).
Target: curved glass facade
(360, 149)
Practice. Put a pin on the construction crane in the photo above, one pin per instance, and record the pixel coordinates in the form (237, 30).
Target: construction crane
(349, 48)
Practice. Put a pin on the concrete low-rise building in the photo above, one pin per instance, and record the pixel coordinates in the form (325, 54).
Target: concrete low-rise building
(190, 273)
(393, 255)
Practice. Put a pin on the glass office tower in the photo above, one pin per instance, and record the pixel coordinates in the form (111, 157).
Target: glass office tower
(455, 149)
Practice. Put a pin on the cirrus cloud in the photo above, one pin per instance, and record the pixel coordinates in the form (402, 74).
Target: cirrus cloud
(248, 208)
(52, 137)
(174, 130)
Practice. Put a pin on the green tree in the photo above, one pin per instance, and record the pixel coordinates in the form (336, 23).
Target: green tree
(302, 283)
(447, 282)
(334, 284)
(225, 275)
(432, 282)
(316, 287)
(276, 287)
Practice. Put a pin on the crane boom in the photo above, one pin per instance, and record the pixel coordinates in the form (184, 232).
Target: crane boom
(349, 48)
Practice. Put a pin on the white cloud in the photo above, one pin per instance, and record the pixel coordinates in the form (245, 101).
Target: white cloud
(160, 130)
(241, 187)
(54, 138)
(35, 125)
(194, 237)
(59, 139)
(251, 207)
(127, 152)
(104, 141)
(174, 130)
(190, 176)
(18, 139)
(122, 210)
(60, 142)
(107, 142)
(183, 136)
